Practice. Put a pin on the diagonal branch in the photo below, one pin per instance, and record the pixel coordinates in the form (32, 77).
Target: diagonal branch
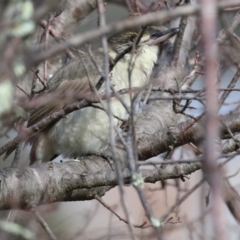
(145, 19)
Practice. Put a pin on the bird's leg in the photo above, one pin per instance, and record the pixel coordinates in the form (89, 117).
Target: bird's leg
(108, 158)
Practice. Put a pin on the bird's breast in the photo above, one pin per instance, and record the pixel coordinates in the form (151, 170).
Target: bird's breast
(136, 68)
(86, 131)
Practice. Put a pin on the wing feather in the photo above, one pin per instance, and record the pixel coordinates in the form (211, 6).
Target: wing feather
(69, 80)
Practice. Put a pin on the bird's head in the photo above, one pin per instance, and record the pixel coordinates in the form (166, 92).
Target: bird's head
(119, 42)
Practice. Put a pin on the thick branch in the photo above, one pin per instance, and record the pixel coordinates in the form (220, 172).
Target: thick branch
(71, 181)
(157, 133)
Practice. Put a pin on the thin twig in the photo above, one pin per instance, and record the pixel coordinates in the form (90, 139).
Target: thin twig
(44, 224)
(17, 155)
(181, 200)
(231, 85)
(143, 225)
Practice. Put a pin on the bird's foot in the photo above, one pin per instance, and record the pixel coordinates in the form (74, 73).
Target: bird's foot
(108, 158)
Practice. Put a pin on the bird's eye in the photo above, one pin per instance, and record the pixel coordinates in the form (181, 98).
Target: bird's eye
(132, 38)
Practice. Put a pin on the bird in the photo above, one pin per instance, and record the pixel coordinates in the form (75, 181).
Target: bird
(86, 131)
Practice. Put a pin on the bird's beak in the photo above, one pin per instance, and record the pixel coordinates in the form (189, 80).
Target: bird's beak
(162, 36)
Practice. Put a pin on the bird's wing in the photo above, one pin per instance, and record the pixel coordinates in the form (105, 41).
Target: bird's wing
(69, 80)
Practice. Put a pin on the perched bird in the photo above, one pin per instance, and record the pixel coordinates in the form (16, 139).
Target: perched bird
(86, 131)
